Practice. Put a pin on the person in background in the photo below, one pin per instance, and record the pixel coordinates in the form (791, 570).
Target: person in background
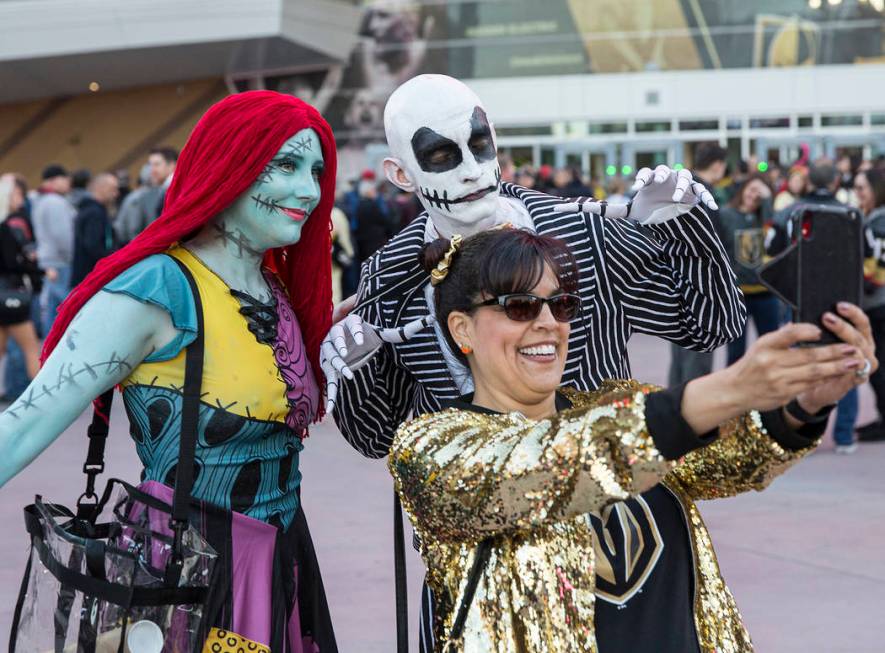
(508, 170)
(406, 206)
(869, 186)
(559, 183)
(847, 166)
(575, 186)
(123, 181)
(16, 377)
(374, 227)
(544, 179)
(775, 175)
(79, 183)
(745, 232)
(797, 186)
(18, 276)
(687, 364)
(162, 161)
(93, 235)
(342, 251)
(738, 174)
(131, 219)
(526, 178)
(615, 191)
(53, 219)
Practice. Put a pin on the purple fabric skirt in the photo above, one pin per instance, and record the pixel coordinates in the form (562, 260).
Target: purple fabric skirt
(269, 588)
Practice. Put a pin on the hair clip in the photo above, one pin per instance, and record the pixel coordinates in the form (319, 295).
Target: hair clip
(438, 274)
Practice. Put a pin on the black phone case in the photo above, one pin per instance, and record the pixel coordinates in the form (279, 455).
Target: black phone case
(822, 266)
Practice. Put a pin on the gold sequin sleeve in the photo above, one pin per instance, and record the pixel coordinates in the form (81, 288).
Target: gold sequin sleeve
(464, 475)
(744, 457)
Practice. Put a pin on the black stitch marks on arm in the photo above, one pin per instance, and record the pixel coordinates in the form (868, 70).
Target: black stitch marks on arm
(69, 339)
(235, 238)
(67, 377)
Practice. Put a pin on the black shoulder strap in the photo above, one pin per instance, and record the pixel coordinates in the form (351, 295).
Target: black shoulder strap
(480, 559)
(184, 473)
(190, 411)
(88, 503)
(399, 568)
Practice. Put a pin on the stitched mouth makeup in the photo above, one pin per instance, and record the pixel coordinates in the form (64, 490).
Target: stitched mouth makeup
(443, 201)
(298, 215)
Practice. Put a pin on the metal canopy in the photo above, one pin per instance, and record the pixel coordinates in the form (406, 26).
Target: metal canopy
(54, 48)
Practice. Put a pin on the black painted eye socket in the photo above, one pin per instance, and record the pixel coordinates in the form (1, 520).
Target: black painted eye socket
(434, 152)
(443, 155)
(480, 143)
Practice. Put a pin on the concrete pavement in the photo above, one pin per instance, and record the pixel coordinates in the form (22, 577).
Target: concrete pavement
(805, 559)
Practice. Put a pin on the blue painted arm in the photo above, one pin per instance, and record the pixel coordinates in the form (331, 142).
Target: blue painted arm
(110, 336)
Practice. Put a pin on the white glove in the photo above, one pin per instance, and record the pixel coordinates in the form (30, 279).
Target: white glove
(351, 343)
(663, 194)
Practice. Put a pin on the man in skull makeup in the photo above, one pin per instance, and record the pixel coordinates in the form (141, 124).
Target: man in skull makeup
(653, 266)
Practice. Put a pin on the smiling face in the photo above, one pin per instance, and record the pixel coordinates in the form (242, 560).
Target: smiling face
(520, 363)
(443, 149)
(272, 212)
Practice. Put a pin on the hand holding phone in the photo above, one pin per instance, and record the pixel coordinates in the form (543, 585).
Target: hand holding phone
(822, 266)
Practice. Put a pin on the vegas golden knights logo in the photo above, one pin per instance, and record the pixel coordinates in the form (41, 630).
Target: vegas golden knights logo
(628, 545)
(749, 247)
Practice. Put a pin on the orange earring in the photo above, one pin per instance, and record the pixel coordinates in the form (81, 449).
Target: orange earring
(466, 349)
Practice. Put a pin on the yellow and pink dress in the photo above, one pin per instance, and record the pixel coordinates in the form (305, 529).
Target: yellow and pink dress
(259, 394)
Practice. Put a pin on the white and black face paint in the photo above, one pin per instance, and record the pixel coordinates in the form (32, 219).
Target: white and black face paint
(440, 134)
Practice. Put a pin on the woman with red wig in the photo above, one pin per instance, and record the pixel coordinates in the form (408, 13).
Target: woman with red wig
(248, 216)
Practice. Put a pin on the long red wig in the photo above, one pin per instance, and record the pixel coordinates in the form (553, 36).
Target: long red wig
(225, 153)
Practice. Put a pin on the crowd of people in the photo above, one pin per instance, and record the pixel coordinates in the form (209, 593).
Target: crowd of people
(753, 223)
(485, 353)
(51, 238)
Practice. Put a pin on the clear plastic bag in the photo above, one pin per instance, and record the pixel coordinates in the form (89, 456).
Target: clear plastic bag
(108, 585)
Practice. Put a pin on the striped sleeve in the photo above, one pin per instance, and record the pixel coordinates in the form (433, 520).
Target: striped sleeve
(674, 280)
(371, 406)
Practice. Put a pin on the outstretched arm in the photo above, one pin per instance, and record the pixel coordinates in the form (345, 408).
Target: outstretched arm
(110, 336)
(672, 275)
(467, 476)
(674, 280)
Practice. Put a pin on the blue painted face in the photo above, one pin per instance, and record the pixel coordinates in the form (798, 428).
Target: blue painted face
(272, 212)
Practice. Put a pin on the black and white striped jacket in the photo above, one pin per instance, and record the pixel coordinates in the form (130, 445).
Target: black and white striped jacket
(672, 280)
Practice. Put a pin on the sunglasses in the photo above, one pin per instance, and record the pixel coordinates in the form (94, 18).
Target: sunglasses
(524, 307)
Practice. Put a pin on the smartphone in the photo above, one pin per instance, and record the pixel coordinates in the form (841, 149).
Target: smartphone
(822, 266)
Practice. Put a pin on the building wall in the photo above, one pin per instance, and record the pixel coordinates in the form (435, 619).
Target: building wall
(103, 130)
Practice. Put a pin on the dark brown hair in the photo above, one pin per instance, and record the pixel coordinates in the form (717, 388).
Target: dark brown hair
(876, 180)
(738, 198)
(493, 263)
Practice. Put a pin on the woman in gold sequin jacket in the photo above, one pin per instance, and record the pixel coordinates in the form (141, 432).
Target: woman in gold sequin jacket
(557, 520)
